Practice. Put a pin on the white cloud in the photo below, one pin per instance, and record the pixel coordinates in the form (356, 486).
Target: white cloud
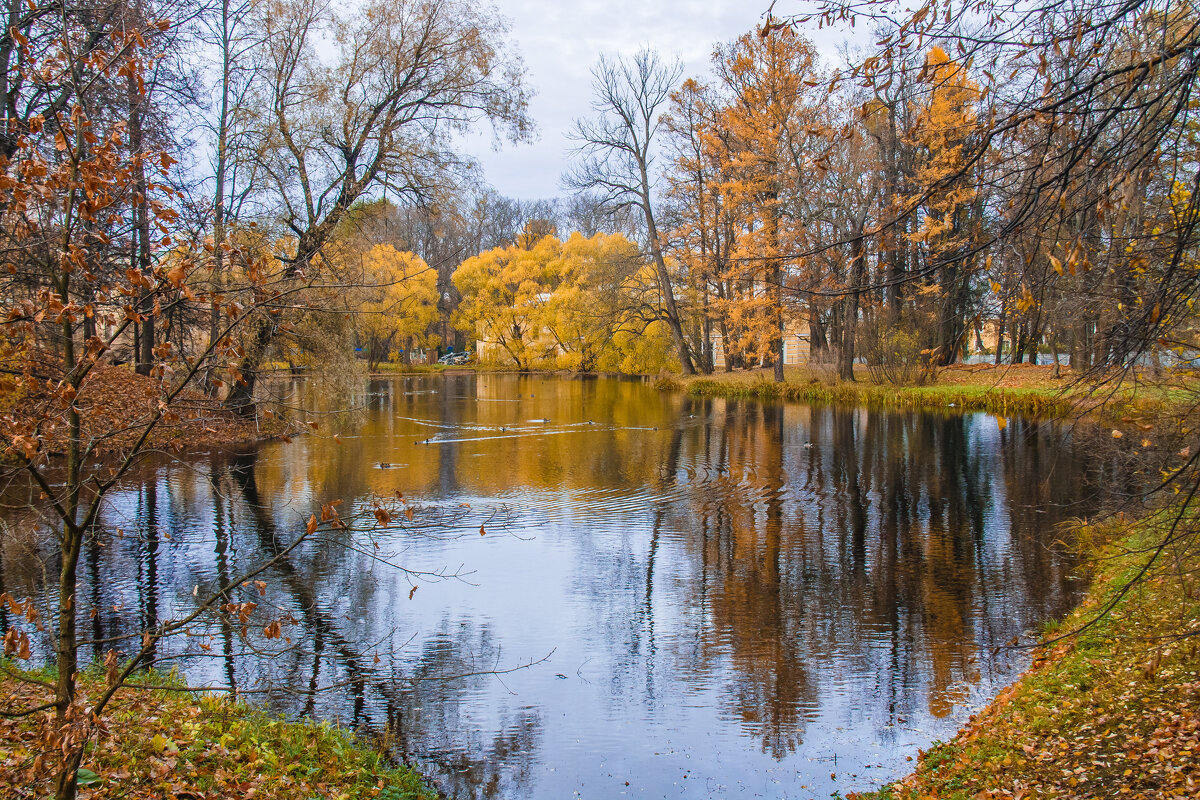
(561, 41)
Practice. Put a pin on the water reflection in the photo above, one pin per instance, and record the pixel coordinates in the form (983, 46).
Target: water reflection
(717, 596)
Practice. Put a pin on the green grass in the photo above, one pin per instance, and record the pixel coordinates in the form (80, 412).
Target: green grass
(165, 743)
(1003, 391)
(1022, 402)
(389, 368)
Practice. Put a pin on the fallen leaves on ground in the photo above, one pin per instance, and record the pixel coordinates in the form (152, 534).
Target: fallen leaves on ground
(156, 744)
(115, 404)
(1112, 712)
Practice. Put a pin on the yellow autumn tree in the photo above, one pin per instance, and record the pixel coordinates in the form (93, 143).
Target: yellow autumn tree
(588, 305)
(503, 293)
(703, 236)
(945, 124)
(772, 125)
(399, 304)
(581, 304)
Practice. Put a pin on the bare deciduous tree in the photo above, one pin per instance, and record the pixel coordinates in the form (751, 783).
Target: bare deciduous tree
(374, 118)
(617, 156)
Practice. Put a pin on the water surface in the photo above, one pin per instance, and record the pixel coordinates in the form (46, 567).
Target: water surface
(671, 596)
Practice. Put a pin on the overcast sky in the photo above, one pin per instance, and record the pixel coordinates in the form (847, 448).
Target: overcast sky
(561, 40)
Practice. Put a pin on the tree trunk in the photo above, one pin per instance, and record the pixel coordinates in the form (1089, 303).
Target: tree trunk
(858, 263)
(144, 355)
(777, 332)
(818, 343)
(1000, 338)
(1054, 351)
(67, 644)
(706, 355)
(241, 393)
(664, 286)
(214, 320)
(858, 270)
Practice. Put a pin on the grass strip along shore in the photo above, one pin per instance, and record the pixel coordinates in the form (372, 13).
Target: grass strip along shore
(1111, 704)
(1021, 390)
(173, 743)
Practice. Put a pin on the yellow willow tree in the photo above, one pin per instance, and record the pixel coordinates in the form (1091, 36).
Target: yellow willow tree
(504, 292)
(950, 217)
(589, 306)
(584, 304)
(398, 306)
(772, 122)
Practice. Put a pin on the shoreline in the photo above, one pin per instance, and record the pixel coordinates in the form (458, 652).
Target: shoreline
(1110, 706)
(1008, 390)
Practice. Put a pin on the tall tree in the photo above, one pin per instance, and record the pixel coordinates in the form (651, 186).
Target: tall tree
(776, 135)
(949, 222)
(617, 151)
(229, 27)
(372, 117)
(703, 235)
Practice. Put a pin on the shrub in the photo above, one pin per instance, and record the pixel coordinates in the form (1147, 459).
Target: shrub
(894, 351)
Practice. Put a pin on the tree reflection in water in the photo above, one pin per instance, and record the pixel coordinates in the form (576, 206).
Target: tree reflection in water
(856, 537)
(733, 590)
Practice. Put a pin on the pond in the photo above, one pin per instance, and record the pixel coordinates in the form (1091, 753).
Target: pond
(619, 592)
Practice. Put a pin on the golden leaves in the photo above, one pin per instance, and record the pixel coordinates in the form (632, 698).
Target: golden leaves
(1026, 301)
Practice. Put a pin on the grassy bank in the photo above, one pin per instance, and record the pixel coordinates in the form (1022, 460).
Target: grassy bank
(1113, 711)
(1024, 390)
(156, 744)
